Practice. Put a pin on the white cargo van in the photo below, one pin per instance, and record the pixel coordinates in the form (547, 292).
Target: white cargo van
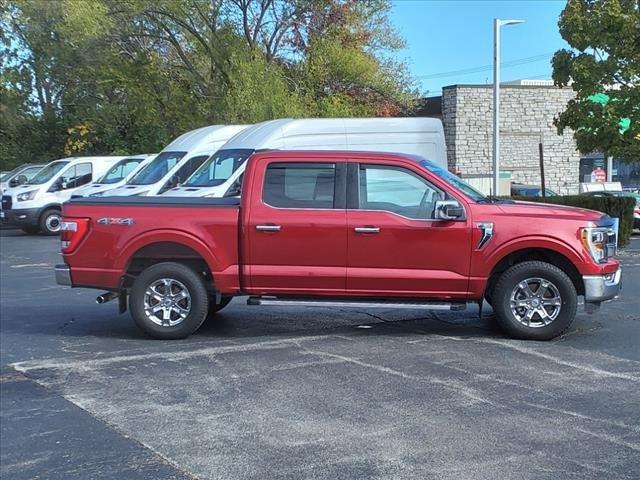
(218, 176)
(177, 161)
(35, 205)
(116, 177)
(19, 175)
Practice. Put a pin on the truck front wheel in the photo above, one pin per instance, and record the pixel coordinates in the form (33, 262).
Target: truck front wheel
(50, 222)
(535, 301)
(169, 301)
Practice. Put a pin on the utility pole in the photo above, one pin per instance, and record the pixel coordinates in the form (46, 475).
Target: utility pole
(497, 23)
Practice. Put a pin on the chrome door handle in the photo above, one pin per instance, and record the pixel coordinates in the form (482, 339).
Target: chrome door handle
(268, 228)
(367, 230)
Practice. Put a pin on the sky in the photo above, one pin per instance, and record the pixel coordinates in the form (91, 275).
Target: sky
(445, 36)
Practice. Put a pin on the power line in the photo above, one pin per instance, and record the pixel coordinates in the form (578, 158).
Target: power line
(484, 68)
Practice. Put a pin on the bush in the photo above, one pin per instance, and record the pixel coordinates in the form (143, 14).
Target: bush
(620, 207)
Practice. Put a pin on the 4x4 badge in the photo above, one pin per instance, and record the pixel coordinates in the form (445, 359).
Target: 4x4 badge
(115, 221)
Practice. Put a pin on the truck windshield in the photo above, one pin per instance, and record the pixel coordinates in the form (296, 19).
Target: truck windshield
(8, 175)
(454, 181)
(47, 173)
(218, 168)
(120, 170)
(157, 169)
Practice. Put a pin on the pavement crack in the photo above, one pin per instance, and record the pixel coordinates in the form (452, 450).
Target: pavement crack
(453, 385)
(530, 351)
(611, 439)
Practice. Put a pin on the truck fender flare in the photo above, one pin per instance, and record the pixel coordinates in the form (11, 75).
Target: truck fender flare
(534, 243)
(171, 236)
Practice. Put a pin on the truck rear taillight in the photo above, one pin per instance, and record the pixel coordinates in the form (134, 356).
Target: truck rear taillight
(72, 231)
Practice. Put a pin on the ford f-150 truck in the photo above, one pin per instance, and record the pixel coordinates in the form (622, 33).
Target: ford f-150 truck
(342, 229)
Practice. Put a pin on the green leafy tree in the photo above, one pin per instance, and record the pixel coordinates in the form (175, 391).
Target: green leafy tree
(603, 68)
(127, 76)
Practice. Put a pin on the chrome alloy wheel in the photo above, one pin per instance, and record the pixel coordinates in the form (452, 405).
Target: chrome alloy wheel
(535, 302)
(53, 222)
(167, 302)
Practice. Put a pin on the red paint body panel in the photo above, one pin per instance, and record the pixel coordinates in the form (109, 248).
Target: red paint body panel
(318, 253)
(105, 253)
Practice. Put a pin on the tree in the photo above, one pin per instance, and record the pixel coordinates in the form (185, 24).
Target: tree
(127, 76)
(603, 68)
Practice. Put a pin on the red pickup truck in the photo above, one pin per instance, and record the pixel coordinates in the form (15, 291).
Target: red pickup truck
(341, 229)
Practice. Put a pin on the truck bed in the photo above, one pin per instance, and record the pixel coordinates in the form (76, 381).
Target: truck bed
(123, 230)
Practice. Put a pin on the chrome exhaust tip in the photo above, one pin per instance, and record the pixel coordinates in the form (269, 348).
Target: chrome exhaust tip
(106, 297)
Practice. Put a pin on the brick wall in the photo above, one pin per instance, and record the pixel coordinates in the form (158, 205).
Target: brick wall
(527, 115)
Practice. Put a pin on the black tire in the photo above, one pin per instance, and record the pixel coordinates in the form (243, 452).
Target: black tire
(31, 230)
(510, 280)
(50, 221)
(181, 274)
(216, 307)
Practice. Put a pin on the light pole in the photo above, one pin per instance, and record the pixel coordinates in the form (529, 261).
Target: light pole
(497, 23)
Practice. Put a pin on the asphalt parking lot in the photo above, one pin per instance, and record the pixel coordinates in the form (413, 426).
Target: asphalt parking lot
(308, 393)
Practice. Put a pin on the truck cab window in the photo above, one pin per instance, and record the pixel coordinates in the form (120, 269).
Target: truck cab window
(397, 190)
(300, 185)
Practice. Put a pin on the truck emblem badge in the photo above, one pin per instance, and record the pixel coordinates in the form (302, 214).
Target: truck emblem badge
(115, 221)
(487, 232)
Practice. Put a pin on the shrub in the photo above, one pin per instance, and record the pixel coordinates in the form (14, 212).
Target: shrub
(620, 207)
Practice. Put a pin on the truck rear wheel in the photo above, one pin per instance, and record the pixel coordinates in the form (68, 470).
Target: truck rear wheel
(169, 301)
(534, 301)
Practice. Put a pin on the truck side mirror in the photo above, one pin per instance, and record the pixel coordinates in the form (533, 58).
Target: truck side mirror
(19, 180)
(236, 188)
(57, 185)
(174, 181)
(449, 210)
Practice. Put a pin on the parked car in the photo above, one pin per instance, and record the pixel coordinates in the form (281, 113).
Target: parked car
(612, 193)
(19, 175)
(521, 190)
(115, 177)
(35, 206)
(220, 175)
(609, 193)
(341, 229)
(177, 161)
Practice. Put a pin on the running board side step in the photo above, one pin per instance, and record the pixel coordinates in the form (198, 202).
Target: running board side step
(314, 302)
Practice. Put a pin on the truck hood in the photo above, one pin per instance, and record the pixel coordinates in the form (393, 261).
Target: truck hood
(546, 210)
(187, 192)
(94, 188)
(14, 191)
(129, 190)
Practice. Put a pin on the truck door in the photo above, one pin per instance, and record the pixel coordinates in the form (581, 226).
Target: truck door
(297, 238)
(395, 246)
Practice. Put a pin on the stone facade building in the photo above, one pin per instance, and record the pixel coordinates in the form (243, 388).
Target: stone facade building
(526, 119)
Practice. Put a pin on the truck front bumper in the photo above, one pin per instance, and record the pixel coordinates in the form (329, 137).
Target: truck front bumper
(63, 275)
(21, 218)
(599, 288)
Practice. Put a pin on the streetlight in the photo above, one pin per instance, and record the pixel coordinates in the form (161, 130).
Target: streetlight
(497, 23)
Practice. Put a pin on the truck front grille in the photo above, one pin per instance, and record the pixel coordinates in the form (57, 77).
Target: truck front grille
(6, 202)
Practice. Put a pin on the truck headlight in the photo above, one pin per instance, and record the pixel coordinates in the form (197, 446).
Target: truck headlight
(23, 197)
(600, 242)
